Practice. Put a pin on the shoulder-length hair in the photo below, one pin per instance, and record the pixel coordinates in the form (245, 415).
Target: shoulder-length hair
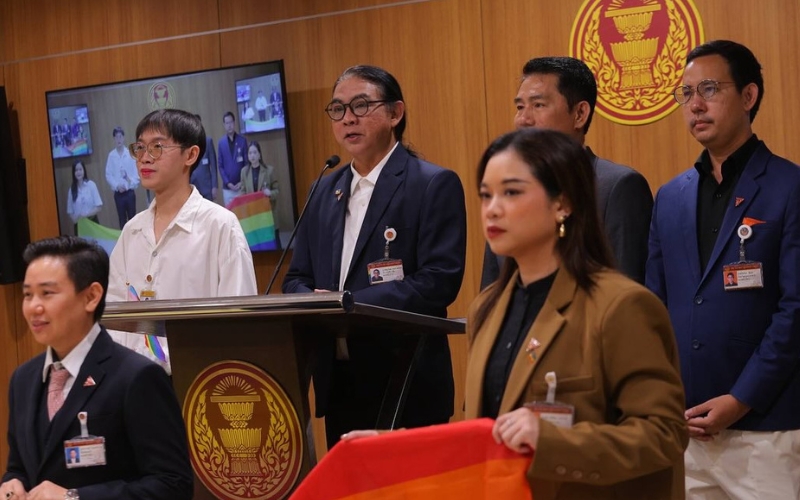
(563, 168)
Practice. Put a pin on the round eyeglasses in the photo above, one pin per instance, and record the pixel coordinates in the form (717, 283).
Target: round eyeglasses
(360, 106)
(706, 89)
(155, 149)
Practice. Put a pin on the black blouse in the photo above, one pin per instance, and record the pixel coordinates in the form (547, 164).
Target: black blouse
(524, 306)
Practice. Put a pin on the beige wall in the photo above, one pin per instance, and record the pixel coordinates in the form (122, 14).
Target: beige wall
(457, 60)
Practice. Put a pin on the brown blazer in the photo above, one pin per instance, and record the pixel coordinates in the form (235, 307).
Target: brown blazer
(615, 359)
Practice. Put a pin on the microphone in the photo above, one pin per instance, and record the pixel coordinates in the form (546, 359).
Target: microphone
(331, 162)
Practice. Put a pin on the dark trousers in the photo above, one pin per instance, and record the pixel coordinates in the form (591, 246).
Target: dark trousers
(93, 218)
(262, 115)
(126, 206)
(355, 401)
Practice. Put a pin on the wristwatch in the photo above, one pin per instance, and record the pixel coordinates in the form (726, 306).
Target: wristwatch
(72, 495)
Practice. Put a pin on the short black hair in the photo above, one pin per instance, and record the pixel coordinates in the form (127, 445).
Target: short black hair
(575, 80)
(86, 261)
(117, 130)
(742, 63)
(181, 126)
(227, 114)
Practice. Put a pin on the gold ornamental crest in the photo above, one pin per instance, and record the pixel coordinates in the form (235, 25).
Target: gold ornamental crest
(637, 51)
(161, 95)
(245, 440)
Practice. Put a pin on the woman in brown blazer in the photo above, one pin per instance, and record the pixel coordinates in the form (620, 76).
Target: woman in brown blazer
(558, 307)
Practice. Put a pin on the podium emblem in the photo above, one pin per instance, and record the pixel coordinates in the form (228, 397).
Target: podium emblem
(637, 51)
(245, 440)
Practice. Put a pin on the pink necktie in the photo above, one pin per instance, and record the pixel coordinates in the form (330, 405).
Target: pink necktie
(55, 390)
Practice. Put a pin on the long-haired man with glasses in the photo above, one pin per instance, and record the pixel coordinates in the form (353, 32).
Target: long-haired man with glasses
(391, 211)
(737, 211)
(183, 246)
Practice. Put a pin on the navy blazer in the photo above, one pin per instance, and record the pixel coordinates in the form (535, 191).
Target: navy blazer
(229, 168)
(742, 342)
(204, 177)
(424, 203)
(132, 405)
(624, 205)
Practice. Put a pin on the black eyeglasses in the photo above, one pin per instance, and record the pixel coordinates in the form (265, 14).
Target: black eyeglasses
(360, 106)
(155, 149)
(706, 89)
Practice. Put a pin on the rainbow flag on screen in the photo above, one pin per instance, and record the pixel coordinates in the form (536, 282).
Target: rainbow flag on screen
(441, 462)
(102, 235)
(254, 212)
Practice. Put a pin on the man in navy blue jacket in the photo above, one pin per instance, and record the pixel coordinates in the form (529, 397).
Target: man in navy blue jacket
(385, 198)
(737, 211)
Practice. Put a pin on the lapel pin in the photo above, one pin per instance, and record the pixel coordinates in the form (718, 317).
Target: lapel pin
(531, 349)
(89, 382)
(738, 201)
(338, 194)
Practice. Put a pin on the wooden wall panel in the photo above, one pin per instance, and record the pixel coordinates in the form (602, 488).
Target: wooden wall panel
(517, 30)
(233, 13)
(40, 28)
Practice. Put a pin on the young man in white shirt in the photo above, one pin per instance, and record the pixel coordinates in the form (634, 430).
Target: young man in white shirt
(151, 258)
(122, 178)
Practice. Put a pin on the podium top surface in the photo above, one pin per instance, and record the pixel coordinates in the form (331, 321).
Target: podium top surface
(336, 310)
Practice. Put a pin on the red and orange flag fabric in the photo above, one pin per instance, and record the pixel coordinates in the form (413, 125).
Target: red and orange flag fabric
(440, 462)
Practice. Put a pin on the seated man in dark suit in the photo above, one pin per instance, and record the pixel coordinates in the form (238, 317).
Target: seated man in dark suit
(559, 93)
(116, 394)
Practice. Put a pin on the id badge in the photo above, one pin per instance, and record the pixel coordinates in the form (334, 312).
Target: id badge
(558, 414)
(148, 295)
(382, 271)
(84, 450)
(742, 276)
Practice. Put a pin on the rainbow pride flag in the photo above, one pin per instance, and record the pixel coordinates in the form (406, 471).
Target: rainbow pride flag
(441, 462)
(254, 212)
(104, 236)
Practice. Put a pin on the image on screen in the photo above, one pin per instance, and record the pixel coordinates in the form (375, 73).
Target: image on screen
(263, 108)
(69, 131)
(267, 212)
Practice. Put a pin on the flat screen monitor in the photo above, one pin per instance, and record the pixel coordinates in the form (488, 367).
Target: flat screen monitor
(70, 135)
(87, 185)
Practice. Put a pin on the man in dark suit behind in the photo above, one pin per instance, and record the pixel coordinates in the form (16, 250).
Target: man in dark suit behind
(559, 93)
(128, 400)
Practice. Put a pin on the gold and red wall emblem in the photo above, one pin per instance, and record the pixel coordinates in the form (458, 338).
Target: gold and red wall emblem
(245, 440)
(637, 51)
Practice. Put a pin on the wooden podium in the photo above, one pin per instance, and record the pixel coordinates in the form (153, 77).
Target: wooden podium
(275, 334)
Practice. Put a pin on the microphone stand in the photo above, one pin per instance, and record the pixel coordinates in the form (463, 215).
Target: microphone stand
(331, 162)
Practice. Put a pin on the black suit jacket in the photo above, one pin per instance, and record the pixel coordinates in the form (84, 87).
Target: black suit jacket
(424, 203)
(132, 405)
(625, 206)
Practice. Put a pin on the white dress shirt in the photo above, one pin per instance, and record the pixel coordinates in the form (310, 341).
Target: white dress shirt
(72, 362)
(121, 170)
(361, 189)
(202, 253)
(86, 204)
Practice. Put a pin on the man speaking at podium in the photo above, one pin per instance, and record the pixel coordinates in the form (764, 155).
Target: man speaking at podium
(387, 211)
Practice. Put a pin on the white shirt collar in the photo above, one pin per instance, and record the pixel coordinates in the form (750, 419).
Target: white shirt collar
(372, 176)
(183, 219)
(72, 361)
